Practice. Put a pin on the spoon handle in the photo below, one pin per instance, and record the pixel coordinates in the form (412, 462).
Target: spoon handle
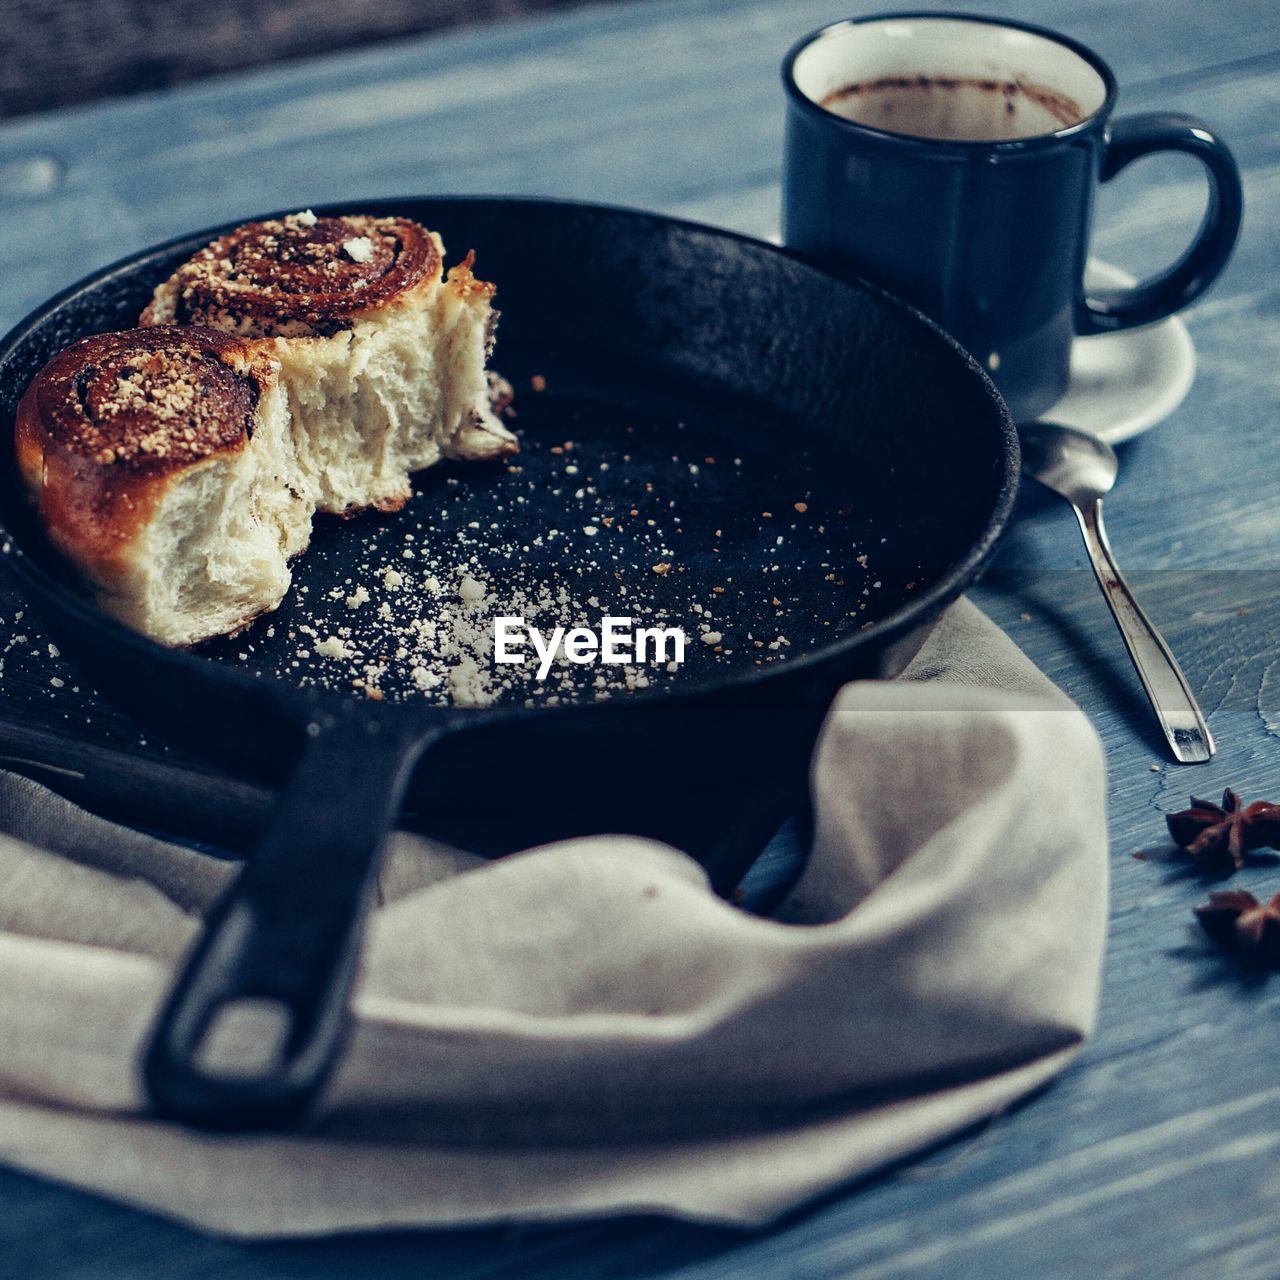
(1171, 697)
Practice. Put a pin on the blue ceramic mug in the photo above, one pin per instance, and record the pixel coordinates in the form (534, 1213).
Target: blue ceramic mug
(953, 160)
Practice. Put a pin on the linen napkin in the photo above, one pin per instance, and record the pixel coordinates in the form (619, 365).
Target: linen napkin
(585, 1029)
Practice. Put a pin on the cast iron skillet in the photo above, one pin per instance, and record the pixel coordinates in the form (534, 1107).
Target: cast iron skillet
(708, 383)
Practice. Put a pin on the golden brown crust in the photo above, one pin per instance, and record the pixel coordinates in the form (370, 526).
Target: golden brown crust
(299, 276)
(463, 282)
(107, 421)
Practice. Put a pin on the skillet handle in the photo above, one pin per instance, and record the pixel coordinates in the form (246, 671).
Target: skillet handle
(278, 953)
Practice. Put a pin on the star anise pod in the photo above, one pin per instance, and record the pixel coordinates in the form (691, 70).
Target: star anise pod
(1238, 919)
(1225, 833)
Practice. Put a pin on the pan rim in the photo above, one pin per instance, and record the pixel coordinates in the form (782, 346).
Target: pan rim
(940, 593)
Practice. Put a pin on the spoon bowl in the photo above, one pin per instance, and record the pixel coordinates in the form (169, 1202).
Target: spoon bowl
(1074, 464)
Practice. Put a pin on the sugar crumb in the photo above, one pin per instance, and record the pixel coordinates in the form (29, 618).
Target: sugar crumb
(360, 249)
(333, 647)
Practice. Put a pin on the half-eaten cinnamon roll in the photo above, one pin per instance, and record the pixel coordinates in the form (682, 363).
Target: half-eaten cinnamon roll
(381, 354)
(164, 468)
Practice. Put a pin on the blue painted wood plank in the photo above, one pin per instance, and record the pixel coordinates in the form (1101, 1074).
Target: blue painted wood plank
(661, 108)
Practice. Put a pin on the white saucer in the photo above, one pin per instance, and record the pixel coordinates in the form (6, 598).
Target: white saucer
(1123, 383)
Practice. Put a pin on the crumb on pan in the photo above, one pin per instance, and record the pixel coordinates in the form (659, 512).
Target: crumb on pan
(562, 543)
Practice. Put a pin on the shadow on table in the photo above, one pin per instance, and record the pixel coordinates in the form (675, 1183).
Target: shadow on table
(1065, 599)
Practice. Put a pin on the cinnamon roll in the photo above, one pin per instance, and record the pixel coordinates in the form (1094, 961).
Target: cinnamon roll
(164, 469)
(381, 354)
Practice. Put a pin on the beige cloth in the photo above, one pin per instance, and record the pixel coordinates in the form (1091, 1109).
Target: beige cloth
(586, 1029)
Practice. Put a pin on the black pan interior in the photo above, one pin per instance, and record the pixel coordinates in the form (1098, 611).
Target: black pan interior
(714, 436)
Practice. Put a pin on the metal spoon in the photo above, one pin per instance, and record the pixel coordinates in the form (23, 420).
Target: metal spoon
(1081, 468)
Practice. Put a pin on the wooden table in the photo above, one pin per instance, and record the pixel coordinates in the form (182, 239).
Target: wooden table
(1158, 1154)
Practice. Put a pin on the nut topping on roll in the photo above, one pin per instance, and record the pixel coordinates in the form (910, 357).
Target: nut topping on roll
(152, 398)
(299, 276)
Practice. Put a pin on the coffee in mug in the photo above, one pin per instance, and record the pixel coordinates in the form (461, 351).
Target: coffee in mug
(953, 160)
(959, 108)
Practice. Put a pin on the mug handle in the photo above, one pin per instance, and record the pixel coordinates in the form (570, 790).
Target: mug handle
(1171, 290)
